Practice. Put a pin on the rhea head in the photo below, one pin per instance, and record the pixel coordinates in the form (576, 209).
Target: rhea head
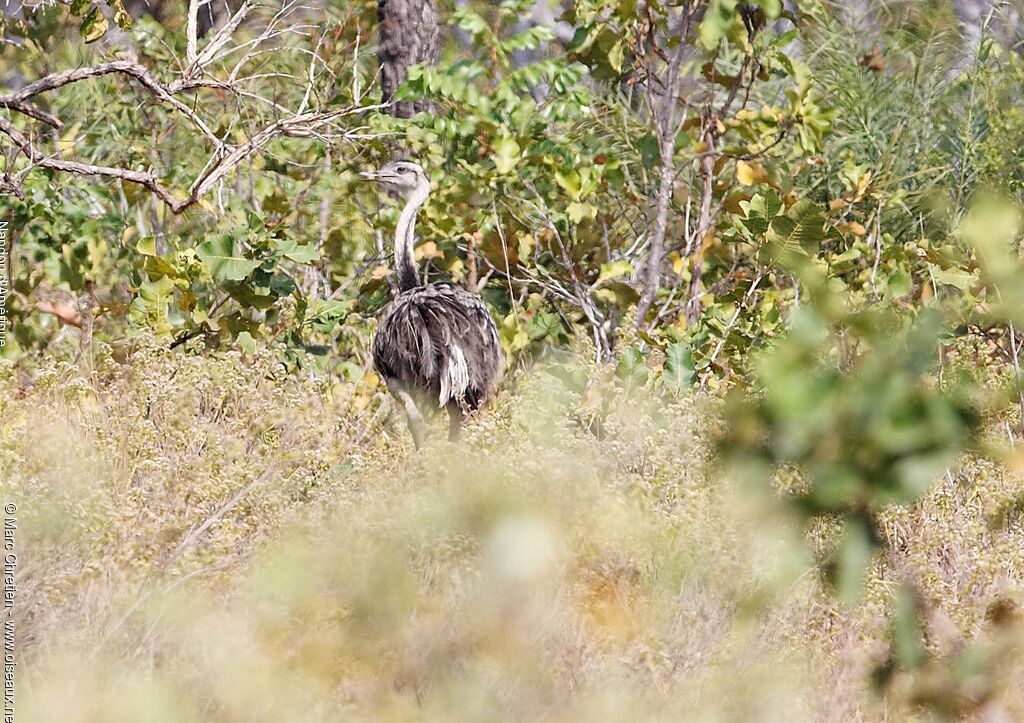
(402, 178)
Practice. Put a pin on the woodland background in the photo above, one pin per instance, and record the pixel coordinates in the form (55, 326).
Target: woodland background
(756, 267)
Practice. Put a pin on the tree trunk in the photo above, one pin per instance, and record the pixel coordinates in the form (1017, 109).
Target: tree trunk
(408, 36)
(665, 112)
(704, 222)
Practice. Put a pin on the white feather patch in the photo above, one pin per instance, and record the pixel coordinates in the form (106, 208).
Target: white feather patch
(455, 377)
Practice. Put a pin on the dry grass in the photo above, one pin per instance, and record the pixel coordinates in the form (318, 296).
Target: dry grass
(201, 542)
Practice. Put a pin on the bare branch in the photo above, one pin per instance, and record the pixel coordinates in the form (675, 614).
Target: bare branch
(304, 121)
(665, 123)
(32, 112)
(191, 31)
(218, 41)
(84, 169)
(300, 126)
(16, 101)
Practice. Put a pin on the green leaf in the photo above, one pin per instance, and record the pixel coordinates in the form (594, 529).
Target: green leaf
(614, 270)
(569, 179)
(121, 17)
(505, 153)
(898, 285)
(157, 292)
(470, 21)
(223, 262)
(772, 8)
(632, 368)
(761, 210)
(293, 251)
(278, 203)
(146, 246)
(150, 306)
(650, 153)
(544, 324)
(800, 230)
(616, 56)
(626, 9)
(246, 342)
(248, 295)
(156, 267)
(579, 211)
(617, 292)
(679, 368)
(94, 26)
(955, 277)
(281, 285)
(323, 310)
(718, 20)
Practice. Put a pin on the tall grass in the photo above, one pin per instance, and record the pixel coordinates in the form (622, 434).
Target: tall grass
(200, 541)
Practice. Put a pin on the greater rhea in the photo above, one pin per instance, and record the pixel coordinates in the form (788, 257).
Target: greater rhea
(436, 343)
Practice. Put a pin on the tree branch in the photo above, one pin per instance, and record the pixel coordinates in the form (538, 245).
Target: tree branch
(665, 124)
(191, 31)
(16, 101)
(300, 122)
(300, 126)
(32, 112)
(84, 169)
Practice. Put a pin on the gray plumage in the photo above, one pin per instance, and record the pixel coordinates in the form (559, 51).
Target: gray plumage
(436, 344)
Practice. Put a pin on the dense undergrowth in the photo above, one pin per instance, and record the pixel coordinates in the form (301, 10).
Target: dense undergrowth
(243, 546)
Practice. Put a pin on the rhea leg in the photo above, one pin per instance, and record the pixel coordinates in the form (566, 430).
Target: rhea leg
(412, 412)
(456, 416)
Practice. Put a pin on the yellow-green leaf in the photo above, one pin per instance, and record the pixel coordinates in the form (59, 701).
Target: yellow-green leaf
(579, 211)
(94, 26)
(505, 154)
(146, 246)
(569, 179)
(614, 270)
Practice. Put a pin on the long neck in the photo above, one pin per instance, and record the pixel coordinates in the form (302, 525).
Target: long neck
(405, 264)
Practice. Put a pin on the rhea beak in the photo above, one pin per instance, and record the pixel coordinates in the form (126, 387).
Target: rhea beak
(382, 177)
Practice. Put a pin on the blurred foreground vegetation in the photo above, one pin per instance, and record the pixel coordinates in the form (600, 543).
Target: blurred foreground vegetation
(238, 547)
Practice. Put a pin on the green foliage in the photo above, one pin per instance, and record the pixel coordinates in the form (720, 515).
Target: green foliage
(534, 188)
(841, 262)
(40, 22)
(722, 17)
(868, 431)
(222, 261)
(679, 367)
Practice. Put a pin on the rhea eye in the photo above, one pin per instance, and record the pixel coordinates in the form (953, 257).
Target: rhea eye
(402, 170)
